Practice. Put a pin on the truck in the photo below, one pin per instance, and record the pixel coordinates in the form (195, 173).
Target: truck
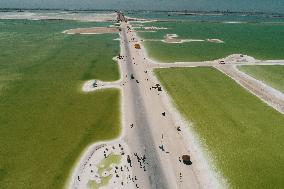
(137, 46)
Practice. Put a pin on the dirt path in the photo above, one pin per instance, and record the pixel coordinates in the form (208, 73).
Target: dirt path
(94, 30)
(269, 95)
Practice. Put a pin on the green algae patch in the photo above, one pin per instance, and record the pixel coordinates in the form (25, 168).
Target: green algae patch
(45, 122)
(104, 182)
(105, 165)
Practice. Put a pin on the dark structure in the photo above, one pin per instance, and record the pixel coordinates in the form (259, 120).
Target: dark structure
(186, 160)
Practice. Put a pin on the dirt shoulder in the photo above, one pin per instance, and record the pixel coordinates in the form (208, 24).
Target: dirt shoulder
(266, 93)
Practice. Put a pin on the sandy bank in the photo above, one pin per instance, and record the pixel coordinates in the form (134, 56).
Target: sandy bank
(93, 85)
(94, 30)
(103, 165)
(174, 38)
(215, 40)
(30, 15)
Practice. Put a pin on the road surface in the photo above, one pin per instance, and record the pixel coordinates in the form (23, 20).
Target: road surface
(153, 134)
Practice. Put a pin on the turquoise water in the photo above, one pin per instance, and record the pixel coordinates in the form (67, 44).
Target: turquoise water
(260, 40)
(210, 17)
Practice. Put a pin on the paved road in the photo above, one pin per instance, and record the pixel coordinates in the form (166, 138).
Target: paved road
(151, 132)
(141, 140)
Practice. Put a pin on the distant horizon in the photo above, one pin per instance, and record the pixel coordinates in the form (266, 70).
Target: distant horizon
(271, 6)
(141, 10)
